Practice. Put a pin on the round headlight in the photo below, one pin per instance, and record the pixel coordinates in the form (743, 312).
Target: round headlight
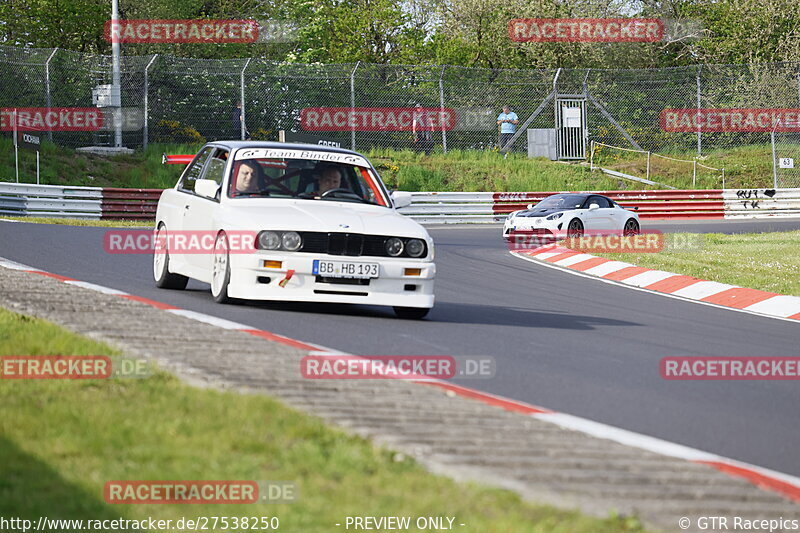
(269, 240)
(415, 248)
(394, 246)
(291, 241)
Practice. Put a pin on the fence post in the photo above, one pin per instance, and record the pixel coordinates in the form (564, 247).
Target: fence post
(353, 106)
(723, 178)
(648, 165)
(47, 88)
(694, 174)
(699, 92)
(556, 116)
(441, 108)
(241, 96)
(16, 146)
(591, 156)
(146, 129)
(774, 160)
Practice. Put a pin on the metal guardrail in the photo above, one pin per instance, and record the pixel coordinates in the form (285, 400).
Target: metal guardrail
(761, 203)
(426, 207)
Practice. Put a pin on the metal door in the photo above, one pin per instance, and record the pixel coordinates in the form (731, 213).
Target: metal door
(571, 131)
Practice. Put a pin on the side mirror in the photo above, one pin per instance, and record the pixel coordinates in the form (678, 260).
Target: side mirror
(401, 199)
(206, 188)
(592, 207)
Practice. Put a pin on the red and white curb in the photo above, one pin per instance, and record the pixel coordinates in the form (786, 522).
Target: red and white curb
(785, 484)
(709, 292)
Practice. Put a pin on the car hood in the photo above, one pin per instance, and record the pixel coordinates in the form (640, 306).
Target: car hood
(540, 212)
(318, 215)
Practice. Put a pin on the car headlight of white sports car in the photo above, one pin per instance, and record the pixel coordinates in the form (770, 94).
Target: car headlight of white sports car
(555, 216)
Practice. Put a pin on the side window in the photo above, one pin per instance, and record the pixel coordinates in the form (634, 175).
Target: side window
(601, 201)
(216, 166)
(191, 174)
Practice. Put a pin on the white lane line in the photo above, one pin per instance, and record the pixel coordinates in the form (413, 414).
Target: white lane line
(781, 305)
(698, 291)
(628, 438)
(208, 319)
(13, 265)
(654, 444)
(98, 288)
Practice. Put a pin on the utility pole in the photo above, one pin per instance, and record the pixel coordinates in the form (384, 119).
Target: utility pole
(116, 94)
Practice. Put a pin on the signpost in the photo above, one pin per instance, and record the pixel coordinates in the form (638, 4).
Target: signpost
(27, 141)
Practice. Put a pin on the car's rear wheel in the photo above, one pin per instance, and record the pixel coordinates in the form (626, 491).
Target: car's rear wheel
(575, 228)
(411, 313)
(221, 269)
(631, 227)
(164, 278)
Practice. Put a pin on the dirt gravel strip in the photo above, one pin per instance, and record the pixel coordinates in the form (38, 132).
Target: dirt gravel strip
(453, 431)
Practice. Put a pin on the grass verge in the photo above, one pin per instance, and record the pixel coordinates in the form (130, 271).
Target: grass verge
(62, 440)
(82, 222)
(765, 261)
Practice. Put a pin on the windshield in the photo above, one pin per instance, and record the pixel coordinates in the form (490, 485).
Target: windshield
(306, 179)
(561, 201)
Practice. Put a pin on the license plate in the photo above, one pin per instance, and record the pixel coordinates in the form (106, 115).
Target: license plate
(345, 269)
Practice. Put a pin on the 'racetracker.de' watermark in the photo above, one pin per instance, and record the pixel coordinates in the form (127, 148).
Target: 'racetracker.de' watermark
(413, 367)
(31, 367)
(147, 241)
(199, 492)
(604, 242)
(198, 31)
(597, 30)
(739, 120)
(730, 368)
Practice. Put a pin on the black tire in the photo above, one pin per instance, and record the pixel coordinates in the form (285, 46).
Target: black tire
(411, 313)
(219, 288)
(164, 278)
(575, 228)
(631, 227)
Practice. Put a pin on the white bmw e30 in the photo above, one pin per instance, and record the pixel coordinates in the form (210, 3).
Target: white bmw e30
(324, 229)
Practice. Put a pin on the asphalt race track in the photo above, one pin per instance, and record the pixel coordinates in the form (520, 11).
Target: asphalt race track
(561, 341)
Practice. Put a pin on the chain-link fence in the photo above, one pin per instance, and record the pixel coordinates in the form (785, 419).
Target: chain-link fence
(191, 100)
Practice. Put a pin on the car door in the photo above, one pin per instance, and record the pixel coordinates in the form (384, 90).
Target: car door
(199, 215)
(175, 222)
(600, 219)
(619, 216)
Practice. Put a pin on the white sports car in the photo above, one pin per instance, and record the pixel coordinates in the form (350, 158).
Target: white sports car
(322, 227)
(571, 214)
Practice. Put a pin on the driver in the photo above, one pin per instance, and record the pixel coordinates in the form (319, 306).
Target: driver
(329, 179)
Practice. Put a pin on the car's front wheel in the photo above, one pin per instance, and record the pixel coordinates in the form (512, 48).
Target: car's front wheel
(164, 278)
(575, 228)
(631, 227)
(411, 313)
(221, 269)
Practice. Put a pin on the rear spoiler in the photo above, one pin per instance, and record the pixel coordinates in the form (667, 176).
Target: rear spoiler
(176, 159)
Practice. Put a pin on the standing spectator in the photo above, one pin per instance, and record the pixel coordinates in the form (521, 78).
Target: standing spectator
(236, 118)
(422, 127)
(507, 120)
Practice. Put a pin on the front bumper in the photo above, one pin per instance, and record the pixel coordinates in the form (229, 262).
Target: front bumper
(251, 280)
